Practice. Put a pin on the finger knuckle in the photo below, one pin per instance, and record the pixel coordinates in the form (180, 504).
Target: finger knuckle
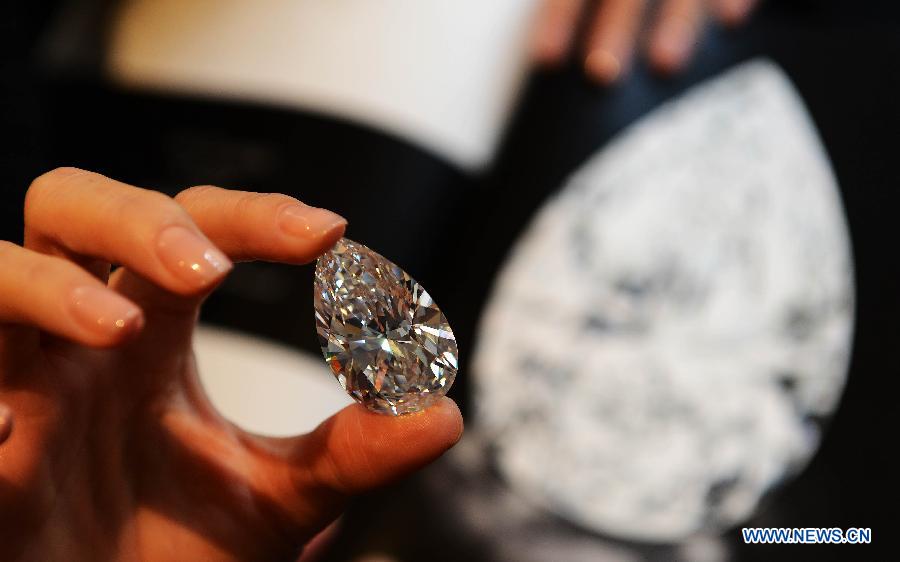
(146, 206)
(44, 185)
(331, 475)
(326, 459)
(37, 271)
(347, 458)
(51, 180)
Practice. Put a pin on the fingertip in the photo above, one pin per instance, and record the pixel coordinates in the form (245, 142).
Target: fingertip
(129, 329)
(732, 13)
(309, 223)
(554, 31)
(449, 418)
(357, 449)
(191, 259)
(549, 46)
(308, 232)
(670, 48)
(603, 66)
(427, 434)
(331, 235)
(105, 319)
(111, 341)
(440, 423)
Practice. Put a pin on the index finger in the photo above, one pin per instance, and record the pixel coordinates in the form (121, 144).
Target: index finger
(261, 226)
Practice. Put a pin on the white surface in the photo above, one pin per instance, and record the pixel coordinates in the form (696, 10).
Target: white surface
(265, 387)
(440, 73)
(672, 327)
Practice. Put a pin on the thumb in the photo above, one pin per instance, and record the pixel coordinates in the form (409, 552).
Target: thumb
(357, 450)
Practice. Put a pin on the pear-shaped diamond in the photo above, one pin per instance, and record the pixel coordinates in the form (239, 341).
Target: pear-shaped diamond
(386, 341)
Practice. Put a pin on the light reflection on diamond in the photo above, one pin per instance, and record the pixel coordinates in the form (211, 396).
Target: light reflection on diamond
(385, 339)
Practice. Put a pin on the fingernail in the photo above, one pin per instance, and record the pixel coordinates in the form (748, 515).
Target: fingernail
(309, 222)
(191, 258)
(104, 312)
(602, 65)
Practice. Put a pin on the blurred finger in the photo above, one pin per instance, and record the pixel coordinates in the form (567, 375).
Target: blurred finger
(612, 37)
(70, 211)
(59, 297)
(555, 30)
(733, 12)
(674, 35)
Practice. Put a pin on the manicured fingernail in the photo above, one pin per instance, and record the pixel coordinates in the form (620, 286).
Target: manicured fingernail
(603, 66)
(309, 222)
(6, 422)
(104, 312)
(191, 258)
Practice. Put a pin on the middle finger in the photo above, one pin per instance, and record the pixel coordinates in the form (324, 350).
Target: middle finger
(74, 212)
(610, 42)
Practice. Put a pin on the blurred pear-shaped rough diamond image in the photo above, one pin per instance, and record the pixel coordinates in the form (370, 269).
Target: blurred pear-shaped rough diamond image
(688, 294)
(385, 339)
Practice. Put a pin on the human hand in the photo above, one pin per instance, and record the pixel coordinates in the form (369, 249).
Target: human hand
(617, 25)
(113, 450)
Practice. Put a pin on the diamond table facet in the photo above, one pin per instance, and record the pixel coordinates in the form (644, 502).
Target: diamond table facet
(386, 341)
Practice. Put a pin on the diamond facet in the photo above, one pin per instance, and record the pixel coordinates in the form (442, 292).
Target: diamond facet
(386, 341)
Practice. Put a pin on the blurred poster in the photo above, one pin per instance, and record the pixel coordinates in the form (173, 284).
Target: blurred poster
(670, 332)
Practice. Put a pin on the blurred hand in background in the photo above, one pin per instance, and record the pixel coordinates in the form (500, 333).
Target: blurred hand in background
(615, 30)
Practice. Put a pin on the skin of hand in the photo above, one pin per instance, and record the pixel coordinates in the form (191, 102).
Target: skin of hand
(668, 32)
(109, 448)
